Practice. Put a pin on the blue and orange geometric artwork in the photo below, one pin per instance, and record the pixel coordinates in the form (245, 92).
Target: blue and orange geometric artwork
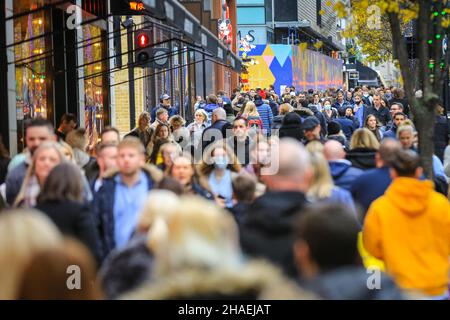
(285, 65)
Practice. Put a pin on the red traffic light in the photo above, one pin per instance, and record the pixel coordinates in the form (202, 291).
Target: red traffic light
(142, 40)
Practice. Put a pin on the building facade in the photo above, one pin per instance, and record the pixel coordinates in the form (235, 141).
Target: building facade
(291, 22)
(78, 57)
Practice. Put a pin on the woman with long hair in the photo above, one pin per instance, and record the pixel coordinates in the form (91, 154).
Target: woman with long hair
(183, 171)
(253, 119)
(161, 136)
(45, 158)
(322, 187)
(61, 199)
(219, 162)
(23, 233)
(373, 125)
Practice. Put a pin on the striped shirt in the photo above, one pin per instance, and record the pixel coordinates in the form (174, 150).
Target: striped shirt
(265, 113)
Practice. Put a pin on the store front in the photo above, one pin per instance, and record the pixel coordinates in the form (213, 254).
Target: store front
(52, 69)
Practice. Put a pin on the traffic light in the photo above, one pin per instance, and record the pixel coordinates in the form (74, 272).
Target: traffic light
(142, 47)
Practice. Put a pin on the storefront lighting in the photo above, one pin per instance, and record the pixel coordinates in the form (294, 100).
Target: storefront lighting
(98, 68)
(40, 21)
(41, 80)
(97, 44)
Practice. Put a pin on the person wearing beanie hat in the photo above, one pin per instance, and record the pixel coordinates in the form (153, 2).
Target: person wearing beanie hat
(334, 128)
(335, 133)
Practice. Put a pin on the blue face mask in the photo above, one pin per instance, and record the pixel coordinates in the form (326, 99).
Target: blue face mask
(388, 96)
(327, 107)
(220, 162)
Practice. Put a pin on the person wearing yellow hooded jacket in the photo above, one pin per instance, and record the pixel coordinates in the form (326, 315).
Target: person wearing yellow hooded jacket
(409, 229)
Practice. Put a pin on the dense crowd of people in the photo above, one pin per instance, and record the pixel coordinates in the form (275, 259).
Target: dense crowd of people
(258, 196)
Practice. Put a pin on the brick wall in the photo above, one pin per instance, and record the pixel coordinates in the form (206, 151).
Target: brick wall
(121, 93)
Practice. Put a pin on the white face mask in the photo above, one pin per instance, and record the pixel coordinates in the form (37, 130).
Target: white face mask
(366, 94)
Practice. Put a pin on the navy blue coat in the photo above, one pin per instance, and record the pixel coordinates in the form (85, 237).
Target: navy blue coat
(344, 174)
(347, 126)
(103, 208)
(369, 186)
(391, 133)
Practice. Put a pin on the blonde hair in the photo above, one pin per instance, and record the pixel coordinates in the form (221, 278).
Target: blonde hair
(77, 139)
(132, 142)
(408, 122)
(159, 205)
(203, 113)
(363, 138)
(285, 108)
(405, 127)
(315, 146)
(32, 168)
(250, 109)
(66, 147)
(322, 183)
(177, 119)
(199, 235)
(23, 233)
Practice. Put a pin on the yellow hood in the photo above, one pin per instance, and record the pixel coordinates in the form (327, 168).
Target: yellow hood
(410, 195)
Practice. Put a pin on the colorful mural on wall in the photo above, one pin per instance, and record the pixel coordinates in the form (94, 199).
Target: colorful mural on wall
(284, 65)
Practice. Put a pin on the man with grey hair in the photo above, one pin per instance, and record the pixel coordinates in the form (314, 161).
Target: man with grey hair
(218, 129)
(266, 230)
(342, 171)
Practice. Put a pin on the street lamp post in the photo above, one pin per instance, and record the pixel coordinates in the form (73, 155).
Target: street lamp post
(273, 15)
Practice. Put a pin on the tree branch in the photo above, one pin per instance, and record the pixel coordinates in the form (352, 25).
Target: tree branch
(422, 38)
(400, 48)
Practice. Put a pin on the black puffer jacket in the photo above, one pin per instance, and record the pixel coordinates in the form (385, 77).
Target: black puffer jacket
(291, 127)
(277, 122)
(266, 229)
(362, 158)
(74, 219)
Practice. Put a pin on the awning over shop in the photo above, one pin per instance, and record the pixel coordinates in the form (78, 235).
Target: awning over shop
(175, 14)
(367, 76)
